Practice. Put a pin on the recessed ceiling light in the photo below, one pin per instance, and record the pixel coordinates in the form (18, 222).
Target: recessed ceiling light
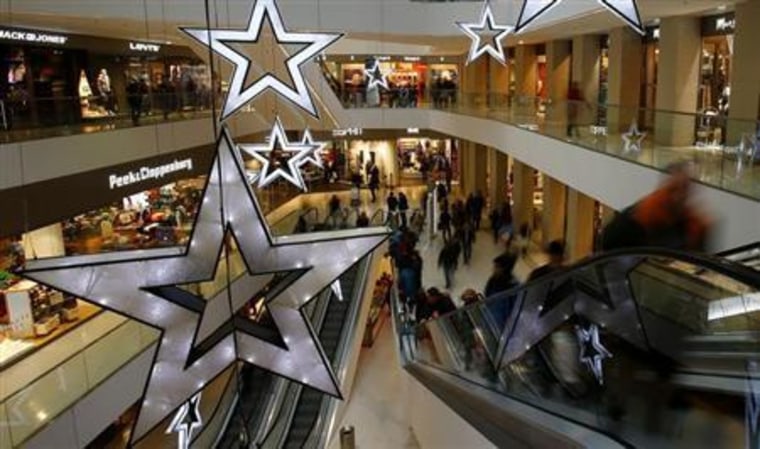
(520, 42)
(722, 8)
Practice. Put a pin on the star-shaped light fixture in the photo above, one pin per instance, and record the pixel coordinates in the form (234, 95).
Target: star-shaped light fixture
(592, 352)
(220, 40)
(633, 138)
(314, 156)
(187, 419)
(201, 338)
(488, 27)
(279, 158)
(626, 10)
(376, 76)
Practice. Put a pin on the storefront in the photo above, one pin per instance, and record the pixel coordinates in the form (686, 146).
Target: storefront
(411, 79)
(715, 75)
(51, 78)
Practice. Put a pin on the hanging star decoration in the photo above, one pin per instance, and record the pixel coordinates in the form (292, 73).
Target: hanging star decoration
(626, 10)
(279, 158)
(752, 408)
(486, 27)
(633, 139)
(314, 156)
(187, 419)
(220, 41)
(592, 352)
(202, 337)
(376, 76)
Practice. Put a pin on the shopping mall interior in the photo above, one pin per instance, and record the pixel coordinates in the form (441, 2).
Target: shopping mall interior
(374, 224)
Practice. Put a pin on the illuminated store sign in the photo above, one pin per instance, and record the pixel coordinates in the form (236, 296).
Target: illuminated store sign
(148, 173)
(33, 37)
(347, 132)
(719, 25)
(144, 47)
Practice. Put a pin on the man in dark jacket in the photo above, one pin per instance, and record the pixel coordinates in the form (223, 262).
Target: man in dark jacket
(500, 281)
(448, 260)
(403, 208)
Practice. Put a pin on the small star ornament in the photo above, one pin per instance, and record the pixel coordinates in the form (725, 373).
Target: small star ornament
(220, 41)
(592, 352)
(486, 27)
(314, 156)
(376, 76)
(187, 419)
(626, 10)
(279, 158)
(633, 139)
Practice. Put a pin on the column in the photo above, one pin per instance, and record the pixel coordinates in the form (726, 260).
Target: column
(498, 172)
(678, 80)
(579, 241)
(498, 84)
(526, 70)
(467, 154)
(586, 65)
(745, 72)
(624, 78)
(553, 216)
(480, 170)
(475, 80)
(558, 68)
(522, 194)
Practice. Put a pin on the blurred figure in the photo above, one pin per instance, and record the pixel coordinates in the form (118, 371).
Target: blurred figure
(477, 206)
(444, 224)
(374, 181)
(448, 260)
(392, 203)
(135, 99)
(500, 281)
(556, 252)
(467, 236)
(403, 208)
(362, 221)
(666, 218)
(519, 243)
(334, 208)
(575, 102)
(495, 218)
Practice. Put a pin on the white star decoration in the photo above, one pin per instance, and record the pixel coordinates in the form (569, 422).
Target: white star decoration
(633, 139)
(290, 169)
(314, 156)
(201, 338)
(186, 421)
(592, 353)
(475, 30)
(376, 76)
(219, 41)
(626, 10)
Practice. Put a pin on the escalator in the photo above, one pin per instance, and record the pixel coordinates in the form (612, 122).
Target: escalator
(255, 385)
(646, 348)
(309, 403)
(748, 255)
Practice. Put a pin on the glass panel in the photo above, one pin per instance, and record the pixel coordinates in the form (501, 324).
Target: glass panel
(101, 360)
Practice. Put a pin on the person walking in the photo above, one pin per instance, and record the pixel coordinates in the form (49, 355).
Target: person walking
(467, 236)
(478, 204)
(444, 224)
(134, 99)
(448, 260)
(392, 203)
(495, 218)
(403, 208)
(362, 221)
(334, 210)
(374, 181)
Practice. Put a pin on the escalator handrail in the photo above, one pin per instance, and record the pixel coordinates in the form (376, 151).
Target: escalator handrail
(740, 249)
(381, 212)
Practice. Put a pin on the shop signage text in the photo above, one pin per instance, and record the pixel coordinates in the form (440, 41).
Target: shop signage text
(347, 132)
(719, 25)
(32, 37)
(149, 173)
(147, 48)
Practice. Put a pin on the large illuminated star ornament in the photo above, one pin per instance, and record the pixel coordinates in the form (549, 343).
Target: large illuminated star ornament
(186, 421)
(626, 10)
(376, 76)
(219, 41)
(203, 337)
(592, 352)
(633, 139)
(283, 159)
(486, 26)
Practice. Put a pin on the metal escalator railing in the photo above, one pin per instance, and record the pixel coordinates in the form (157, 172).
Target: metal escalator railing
(748, 255)
(637, 348)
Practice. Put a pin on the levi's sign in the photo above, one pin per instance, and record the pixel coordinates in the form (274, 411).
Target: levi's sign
(144, 47)
(32, 36)
(149, 173)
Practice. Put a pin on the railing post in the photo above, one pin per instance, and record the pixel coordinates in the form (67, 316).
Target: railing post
(347, 437)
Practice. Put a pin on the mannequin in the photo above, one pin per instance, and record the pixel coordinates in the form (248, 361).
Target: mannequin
(85, 92)
(104, 90)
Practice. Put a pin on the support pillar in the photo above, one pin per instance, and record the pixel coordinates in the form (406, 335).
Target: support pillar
(586, 65)
(580, 226)
(678, 80)
(467, 154)
(558, 67)
(475, 82)
(526, 70)
(624, 78)
(498, 172)
(745, 73)
(555, 209)
(522, 194)
(481, 170)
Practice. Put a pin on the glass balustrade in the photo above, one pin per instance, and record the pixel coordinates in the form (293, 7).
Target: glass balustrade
(656, 349)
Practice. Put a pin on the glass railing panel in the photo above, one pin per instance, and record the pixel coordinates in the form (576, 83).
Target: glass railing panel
(101, 359)
(5, 428)
(41, 401)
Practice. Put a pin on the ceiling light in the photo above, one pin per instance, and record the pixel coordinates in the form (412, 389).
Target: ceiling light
(722, 8)
(520, 42)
